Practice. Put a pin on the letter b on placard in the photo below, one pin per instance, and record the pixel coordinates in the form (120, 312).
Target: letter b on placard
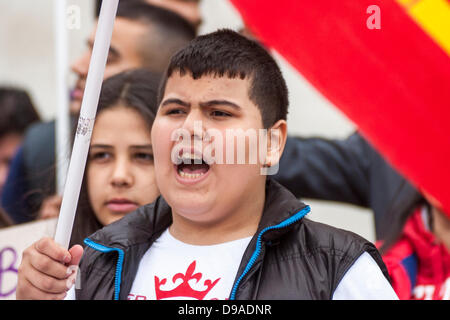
(8, 272)
(374, 20)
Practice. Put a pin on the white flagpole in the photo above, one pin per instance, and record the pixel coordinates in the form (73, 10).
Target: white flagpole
(62, 133)
(86, 121)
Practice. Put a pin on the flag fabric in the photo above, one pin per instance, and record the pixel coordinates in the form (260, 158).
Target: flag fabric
(384, 63)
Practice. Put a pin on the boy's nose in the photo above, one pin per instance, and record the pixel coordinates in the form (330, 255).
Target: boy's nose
(194, 124)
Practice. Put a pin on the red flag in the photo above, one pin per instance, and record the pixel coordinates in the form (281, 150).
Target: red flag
(393, 82)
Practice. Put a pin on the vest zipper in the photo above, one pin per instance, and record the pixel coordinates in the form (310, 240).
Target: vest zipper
(118, 273)
(119, 265)
(296, 217)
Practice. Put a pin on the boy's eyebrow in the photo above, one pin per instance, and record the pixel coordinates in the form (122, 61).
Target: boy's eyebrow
(175, 101)
(219, 102)
(201, 104)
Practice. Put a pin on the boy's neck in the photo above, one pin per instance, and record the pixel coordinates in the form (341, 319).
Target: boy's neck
(239, 223)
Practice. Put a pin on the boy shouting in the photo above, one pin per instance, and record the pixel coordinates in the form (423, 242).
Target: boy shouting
(221, 223)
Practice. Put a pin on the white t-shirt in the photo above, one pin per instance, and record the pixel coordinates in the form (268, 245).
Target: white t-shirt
(172, 269)
(364, 281)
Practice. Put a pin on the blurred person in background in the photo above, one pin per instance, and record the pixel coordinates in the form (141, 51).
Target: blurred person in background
(416, 252)
(413, 232)
(188, 9)
(119, 175)
(350, 170)
(143, 36)
(17, 112)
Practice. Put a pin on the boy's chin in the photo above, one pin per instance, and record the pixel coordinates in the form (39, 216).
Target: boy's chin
(191, 207)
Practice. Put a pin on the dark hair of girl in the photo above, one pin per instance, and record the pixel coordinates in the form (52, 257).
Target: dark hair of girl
(134, 89)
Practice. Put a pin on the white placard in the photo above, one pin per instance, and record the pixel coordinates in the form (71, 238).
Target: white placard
(13, 241)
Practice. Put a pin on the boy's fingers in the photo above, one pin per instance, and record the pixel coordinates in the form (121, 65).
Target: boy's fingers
(46, 283)
(50, 248)
(76, 252)
(47, 265)
(26, 291)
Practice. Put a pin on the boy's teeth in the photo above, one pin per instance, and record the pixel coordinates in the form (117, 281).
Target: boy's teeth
(189, 175)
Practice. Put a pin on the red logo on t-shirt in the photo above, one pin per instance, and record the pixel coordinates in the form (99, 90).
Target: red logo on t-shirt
(184, 289)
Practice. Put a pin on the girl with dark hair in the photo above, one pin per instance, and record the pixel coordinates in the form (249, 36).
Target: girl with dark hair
(119, 175)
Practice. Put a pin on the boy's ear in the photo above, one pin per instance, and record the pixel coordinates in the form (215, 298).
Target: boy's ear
(276, 140)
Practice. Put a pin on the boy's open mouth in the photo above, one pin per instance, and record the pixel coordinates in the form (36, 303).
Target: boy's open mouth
(192, 166)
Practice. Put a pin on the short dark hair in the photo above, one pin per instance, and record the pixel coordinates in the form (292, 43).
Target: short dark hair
(227, 53)
(17, 111)
(167, 32)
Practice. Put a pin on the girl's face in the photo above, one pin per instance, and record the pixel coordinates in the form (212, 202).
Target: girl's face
(120, 172)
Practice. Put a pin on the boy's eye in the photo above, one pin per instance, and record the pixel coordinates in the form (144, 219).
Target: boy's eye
(218, 113)
(175, 111)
